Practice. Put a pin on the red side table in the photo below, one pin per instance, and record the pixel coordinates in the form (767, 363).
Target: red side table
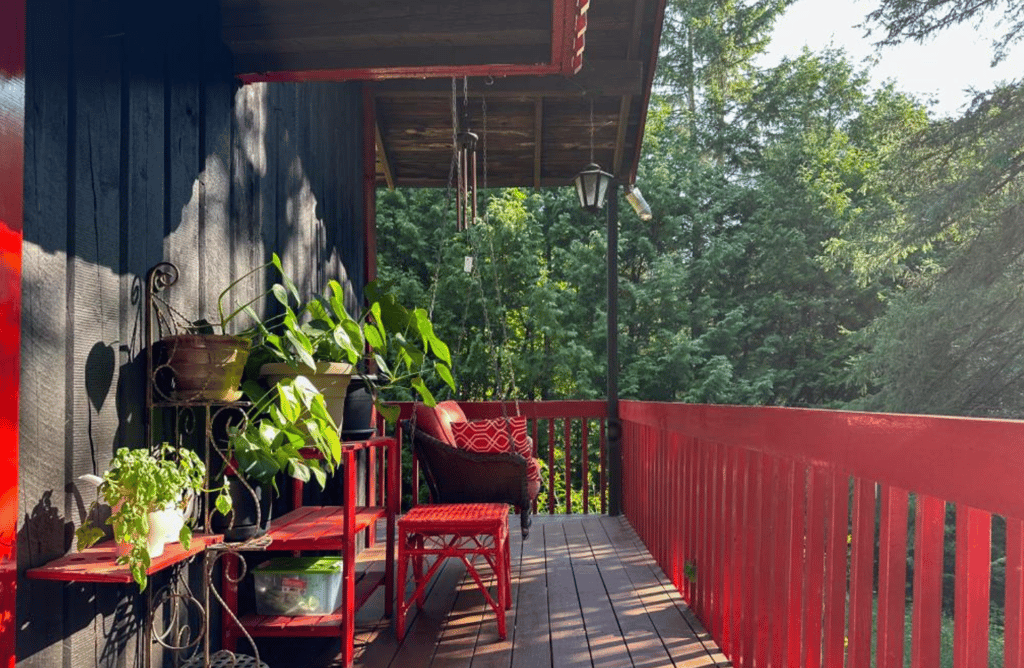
(463, 530)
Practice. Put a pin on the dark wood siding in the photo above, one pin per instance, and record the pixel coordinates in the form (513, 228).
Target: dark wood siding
(141, 147)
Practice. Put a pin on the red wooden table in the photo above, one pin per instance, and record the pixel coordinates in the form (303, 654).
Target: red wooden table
(462, 530)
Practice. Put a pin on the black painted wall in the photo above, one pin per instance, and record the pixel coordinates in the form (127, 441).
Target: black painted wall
(141, 147)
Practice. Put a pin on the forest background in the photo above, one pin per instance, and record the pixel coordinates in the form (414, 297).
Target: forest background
(817, 241)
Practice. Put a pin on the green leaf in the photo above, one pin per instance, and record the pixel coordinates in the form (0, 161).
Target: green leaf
(389, 412)
(223, 502)
(446, 375)
(280, 294)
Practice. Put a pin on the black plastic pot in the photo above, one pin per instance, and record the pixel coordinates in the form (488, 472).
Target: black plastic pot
(358, 422)
(242, 525)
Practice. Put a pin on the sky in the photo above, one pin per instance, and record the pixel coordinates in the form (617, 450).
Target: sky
(944, 67)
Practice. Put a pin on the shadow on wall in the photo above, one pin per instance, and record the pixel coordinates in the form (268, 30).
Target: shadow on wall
(141, 147)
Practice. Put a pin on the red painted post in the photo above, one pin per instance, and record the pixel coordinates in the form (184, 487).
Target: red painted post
(795, 481)
(929, 530)
(551, 466)
(751, 514)
(837, 494)
(12, 155)
(717, 536)
(973, 573)
(602, 465)
(814, 569)
(348, 581)
(585, 465)
(764, 530)
(566, 440)
(892, 577)
(861, 572)
(1014, 619)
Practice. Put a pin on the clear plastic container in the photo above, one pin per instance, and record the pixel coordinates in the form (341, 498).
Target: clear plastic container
(296, 586)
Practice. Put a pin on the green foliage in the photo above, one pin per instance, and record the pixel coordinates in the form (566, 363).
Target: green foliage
(283, 421)
(137, 483)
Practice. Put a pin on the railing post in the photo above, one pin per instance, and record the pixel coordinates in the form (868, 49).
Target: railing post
(614, 426)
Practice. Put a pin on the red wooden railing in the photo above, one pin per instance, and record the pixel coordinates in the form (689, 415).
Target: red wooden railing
(766, 520)
(570, 432)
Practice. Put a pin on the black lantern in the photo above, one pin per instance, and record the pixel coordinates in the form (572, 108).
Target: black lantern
(592, 187)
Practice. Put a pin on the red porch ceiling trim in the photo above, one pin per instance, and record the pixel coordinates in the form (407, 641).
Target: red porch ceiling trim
(12, 206)
(568, 29)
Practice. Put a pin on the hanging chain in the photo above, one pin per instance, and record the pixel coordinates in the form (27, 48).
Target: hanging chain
(452, 167)
(591, 130)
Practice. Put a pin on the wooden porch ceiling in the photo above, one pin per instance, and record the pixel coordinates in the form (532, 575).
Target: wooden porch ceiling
(529, 95)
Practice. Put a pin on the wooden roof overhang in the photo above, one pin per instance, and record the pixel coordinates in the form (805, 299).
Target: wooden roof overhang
(530, 83)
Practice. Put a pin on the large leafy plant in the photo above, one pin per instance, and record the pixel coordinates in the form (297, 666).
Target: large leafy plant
(137, 483)
(401, 342)
(289, 418)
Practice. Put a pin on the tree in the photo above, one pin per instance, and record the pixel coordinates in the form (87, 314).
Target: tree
(902, 20)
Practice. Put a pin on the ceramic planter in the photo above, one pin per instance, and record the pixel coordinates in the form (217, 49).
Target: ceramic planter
(331, 379)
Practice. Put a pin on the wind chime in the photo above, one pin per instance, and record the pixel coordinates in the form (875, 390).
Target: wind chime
(465, 150)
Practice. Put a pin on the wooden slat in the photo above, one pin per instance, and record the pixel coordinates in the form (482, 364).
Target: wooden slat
(638, 631)
(567, 453)
(568, 636)
(929, 530)
(551, 466)
(532, 632)
(892, 577)
(684, 637)
(793, 553)
(861, 572)
(382, 156)
(99, 562)
(973, 581)
(763, 610)
(1014, 618)
(751, 515)
(604, 636)
(837, 495)
(814, 570)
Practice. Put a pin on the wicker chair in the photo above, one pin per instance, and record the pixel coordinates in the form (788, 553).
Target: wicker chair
(455, 475)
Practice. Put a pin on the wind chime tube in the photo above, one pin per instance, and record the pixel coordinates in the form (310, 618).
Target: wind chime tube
(473, 193)
(459, 194)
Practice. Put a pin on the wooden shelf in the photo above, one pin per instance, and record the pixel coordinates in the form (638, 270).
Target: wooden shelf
(318, 527)
(99, 563)
(312, 625)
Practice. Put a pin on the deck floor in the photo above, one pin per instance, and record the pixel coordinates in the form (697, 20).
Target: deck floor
(585, 591)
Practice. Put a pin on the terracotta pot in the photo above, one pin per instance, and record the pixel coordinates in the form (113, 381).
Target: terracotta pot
(207, 367)
(331, 379)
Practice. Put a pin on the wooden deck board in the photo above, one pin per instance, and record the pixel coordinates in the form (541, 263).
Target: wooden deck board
(630, 616)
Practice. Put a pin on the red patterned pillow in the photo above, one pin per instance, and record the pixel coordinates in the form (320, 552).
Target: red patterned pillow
(489, 436)
(532, 469)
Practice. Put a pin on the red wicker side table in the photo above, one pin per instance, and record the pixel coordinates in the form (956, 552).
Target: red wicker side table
(463, 530)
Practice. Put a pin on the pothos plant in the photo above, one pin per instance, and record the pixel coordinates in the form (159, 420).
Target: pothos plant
(401, 342)
(282, 422)
(137, 483)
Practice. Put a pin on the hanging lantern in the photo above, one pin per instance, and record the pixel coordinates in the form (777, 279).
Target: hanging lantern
(592, 187)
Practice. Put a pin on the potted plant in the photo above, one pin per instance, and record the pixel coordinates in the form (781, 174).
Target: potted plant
(318, 340)
(286, 430)
(140, 487)
(205, 359)
(405, 350)
(323, 342)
